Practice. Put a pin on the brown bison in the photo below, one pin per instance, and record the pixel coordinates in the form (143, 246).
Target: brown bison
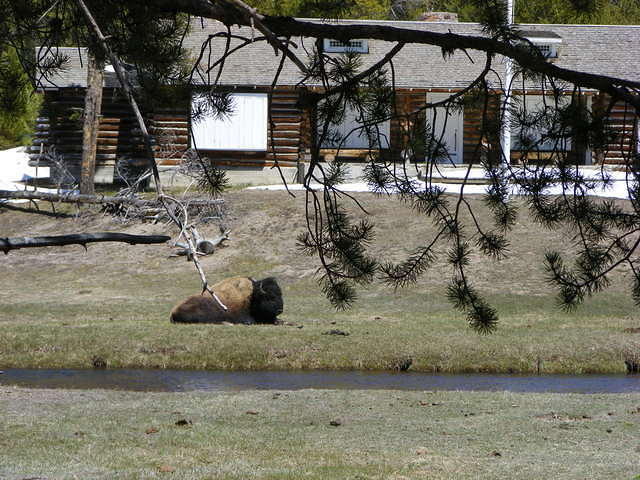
(248, 301)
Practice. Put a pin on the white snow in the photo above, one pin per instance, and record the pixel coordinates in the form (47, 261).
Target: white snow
(14, 168)
(618, 189)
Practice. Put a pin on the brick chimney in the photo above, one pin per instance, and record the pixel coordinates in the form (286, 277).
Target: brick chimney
(439, 17)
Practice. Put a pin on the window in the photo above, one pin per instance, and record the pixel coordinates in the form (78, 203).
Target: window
(537, 124)
(338, 46)
(545, 41)
(351, 134)
(547, 50)
(245, 128)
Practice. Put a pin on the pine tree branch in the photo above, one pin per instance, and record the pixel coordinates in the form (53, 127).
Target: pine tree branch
(240, 14)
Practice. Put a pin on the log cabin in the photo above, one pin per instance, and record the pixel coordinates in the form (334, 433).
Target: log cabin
(268, 126)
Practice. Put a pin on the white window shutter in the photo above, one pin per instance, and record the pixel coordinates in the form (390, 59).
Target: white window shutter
(243, 129)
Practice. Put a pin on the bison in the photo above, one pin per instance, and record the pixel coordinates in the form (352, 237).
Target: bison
(248, 301)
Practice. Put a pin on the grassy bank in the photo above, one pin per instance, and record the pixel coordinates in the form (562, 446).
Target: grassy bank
(65, 308)
(288, 435)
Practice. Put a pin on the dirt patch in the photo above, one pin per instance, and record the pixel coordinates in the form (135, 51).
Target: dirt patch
(264, 228)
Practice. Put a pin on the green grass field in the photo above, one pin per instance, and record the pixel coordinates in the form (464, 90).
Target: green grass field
(64, 307)
(67, 308)
(385, 435)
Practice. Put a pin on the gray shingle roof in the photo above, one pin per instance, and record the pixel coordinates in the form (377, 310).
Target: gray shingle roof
(601, 49)
(73, 72)
(74, 69)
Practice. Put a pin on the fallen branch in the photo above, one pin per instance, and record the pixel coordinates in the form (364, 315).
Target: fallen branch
(208, 246)
(187, 233)
(203, 246)
(7, 244)
(93, 199)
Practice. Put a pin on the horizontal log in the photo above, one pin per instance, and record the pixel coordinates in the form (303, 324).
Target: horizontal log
(282, 134)
(75, 158)
(74, 143)
(625, 141)
(285, 118)
(170, 131)
(7, 244)
(93, 199)
(283, 149)
(280, 156)
(64, 123)
(103, 134)
(283, 110)
(178, 125)
(284, 143)
(287, 97)
(252, 164)
(616, 147)
(117, 120)
(107, 151)
(285, 103)
(170, 118)
(294, 126)
(75, 198)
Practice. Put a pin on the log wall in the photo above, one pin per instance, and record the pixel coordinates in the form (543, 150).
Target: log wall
(479, 128)
(410, 122)
(623, 127)
(290, 131)
(60, 127)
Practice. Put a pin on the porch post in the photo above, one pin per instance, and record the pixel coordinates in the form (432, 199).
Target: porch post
(505, 140)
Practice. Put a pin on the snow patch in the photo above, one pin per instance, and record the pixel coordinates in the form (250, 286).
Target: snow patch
(618, 188)
(14, 168)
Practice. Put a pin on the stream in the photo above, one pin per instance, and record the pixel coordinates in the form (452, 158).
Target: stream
(219, 381)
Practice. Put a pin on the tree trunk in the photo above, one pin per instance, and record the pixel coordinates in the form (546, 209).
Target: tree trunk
(91, 125)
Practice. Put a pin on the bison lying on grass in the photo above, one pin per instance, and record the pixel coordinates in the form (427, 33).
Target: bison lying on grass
(248, 301)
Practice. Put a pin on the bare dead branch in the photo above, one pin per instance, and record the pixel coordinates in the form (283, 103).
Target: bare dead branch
(203, 245)
(93, 199)
(7, 244)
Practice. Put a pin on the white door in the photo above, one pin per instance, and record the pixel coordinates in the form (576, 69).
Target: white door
(447, 127)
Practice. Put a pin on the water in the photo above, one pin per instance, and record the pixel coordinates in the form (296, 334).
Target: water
(195, 380)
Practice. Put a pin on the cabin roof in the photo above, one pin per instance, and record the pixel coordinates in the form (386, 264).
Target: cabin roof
(600, 49)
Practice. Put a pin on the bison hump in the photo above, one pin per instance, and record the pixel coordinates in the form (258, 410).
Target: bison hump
(235, 293)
